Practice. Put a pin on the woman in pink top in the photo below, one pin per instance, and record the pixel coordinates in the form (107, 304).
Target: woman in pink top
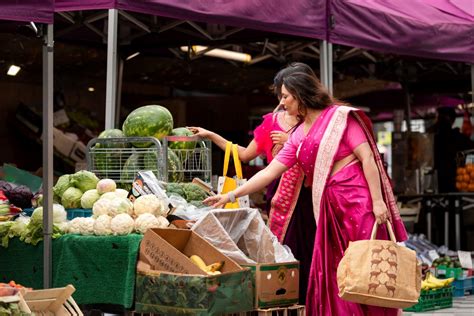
(336, 150)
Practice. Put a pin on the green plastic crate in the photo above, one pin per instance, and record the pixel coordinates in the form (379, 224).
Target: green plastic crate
(447, 272)
(433, 300)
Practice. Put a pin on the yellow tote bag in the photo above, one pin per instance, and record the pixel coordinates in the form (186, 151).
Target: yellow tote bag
(227, 184)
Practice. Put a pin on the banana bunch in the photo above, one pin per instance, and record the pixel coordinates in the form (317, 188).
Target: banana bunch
(212, 269)
(431, 282)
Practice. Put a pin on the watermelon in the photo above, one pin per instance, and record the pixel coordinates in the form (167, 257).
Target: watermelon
(130, 168)
(107, 161)
(148, 121)
(148, 161)
(112, 133)
(175, 168)
(181, 131)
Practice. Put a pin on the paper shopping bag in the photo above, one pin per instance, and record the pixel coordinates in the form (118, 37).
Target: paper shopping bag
(380, 273)
(226, 184)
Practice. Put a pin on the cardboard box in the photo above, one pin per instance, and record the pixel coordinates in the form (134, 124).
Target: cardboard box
(63, 143)
(169, 283)
(78, 152)
(275, 284)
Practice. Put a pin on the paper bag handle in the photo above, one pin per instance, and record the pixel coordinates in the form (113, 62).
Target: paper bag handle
(237, 164)
(389, 228)
(228, 148)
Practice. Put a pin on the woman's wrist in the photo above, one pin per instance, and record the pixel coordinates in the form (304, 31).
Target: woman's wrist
(231, 196)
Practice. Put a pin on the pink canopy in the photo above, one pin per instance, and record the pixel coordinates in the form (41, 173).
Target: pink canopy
(439, 29)
(41, 11)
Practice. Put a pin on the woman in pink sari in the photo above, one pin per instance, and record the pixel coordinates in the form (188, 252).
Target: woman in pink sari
(350, 189)
(287, 199)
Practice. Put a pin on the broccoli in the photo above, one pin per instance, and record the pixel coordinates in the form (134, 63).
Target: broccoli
(175, 188)
(194, 192)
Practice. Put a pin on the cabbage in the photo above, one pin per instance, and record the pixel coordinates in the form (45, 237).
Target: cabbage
(84, 180)
(89, 198)
(106, 185)
(59, 215)
(71, 198)
(64, 183)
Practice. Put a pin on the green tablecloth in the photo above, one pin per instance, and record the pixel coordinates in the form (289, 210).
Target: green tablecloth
(101, 268)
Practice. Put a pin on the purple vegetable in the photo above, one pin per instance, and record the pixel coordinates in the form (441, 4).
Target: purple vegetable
(20, 196)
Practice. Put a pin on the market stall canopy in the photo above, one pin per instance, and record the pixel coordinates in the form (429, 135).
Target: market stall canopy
(41, 11)
(439, 29)
(302, 18)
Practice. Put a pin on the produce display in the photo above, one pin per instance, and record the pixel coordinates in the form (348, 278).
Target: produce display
(431, 282)
(465, 178)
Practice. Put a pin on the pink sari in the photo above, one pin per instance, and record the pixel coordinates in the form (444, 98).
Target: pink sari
(342, 209)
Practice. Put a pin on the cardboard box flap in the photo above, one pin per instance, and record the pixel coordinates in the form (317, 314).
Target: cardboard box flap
(169, 250)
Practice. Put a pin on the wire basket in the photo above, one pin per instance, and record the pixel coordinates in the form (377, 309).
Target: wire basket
(116, 159)
(193, 158)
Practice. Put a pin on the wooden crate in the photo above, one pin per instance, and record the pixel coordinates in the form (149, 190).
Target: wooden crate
(57, 301)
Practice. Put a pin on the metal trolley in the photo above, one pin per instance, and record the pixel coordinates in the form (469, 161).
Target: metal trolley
(120, 159)
(195, 158)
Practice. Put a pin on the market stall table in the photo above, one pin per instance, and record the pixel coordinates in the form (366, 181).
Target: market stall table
(101, 268)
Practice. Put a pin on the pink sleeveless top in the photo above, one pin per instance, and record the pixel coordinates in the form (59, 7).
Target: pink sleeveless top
(262, 134)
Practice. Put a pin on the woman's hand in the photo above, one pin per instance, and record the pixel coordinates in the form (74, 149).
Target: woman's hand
(199, 131)
(279, 137)
(217, 201)
(380, 211)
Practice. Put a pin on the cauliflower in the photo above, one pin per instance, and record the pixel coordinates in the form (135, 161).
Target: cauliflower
(149, 204)
(163, 222)
(106, 185)
(82, 225)
(121, 206)
(102, 225)
(63, 227)
(109, 195)
(122, 193)
(112, 207)
(147, 220)
(122, 224)
(101, 207)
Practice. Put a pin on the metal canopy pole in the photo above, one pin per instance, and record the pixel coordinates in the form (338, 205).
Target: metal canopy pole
(329, 67)
(48, 49)
(111, 87)
(323, 62)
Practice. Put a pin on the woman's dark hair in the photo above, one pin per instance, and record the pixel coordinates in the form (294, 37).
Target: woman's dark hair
(308, 90)
(291, 68)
